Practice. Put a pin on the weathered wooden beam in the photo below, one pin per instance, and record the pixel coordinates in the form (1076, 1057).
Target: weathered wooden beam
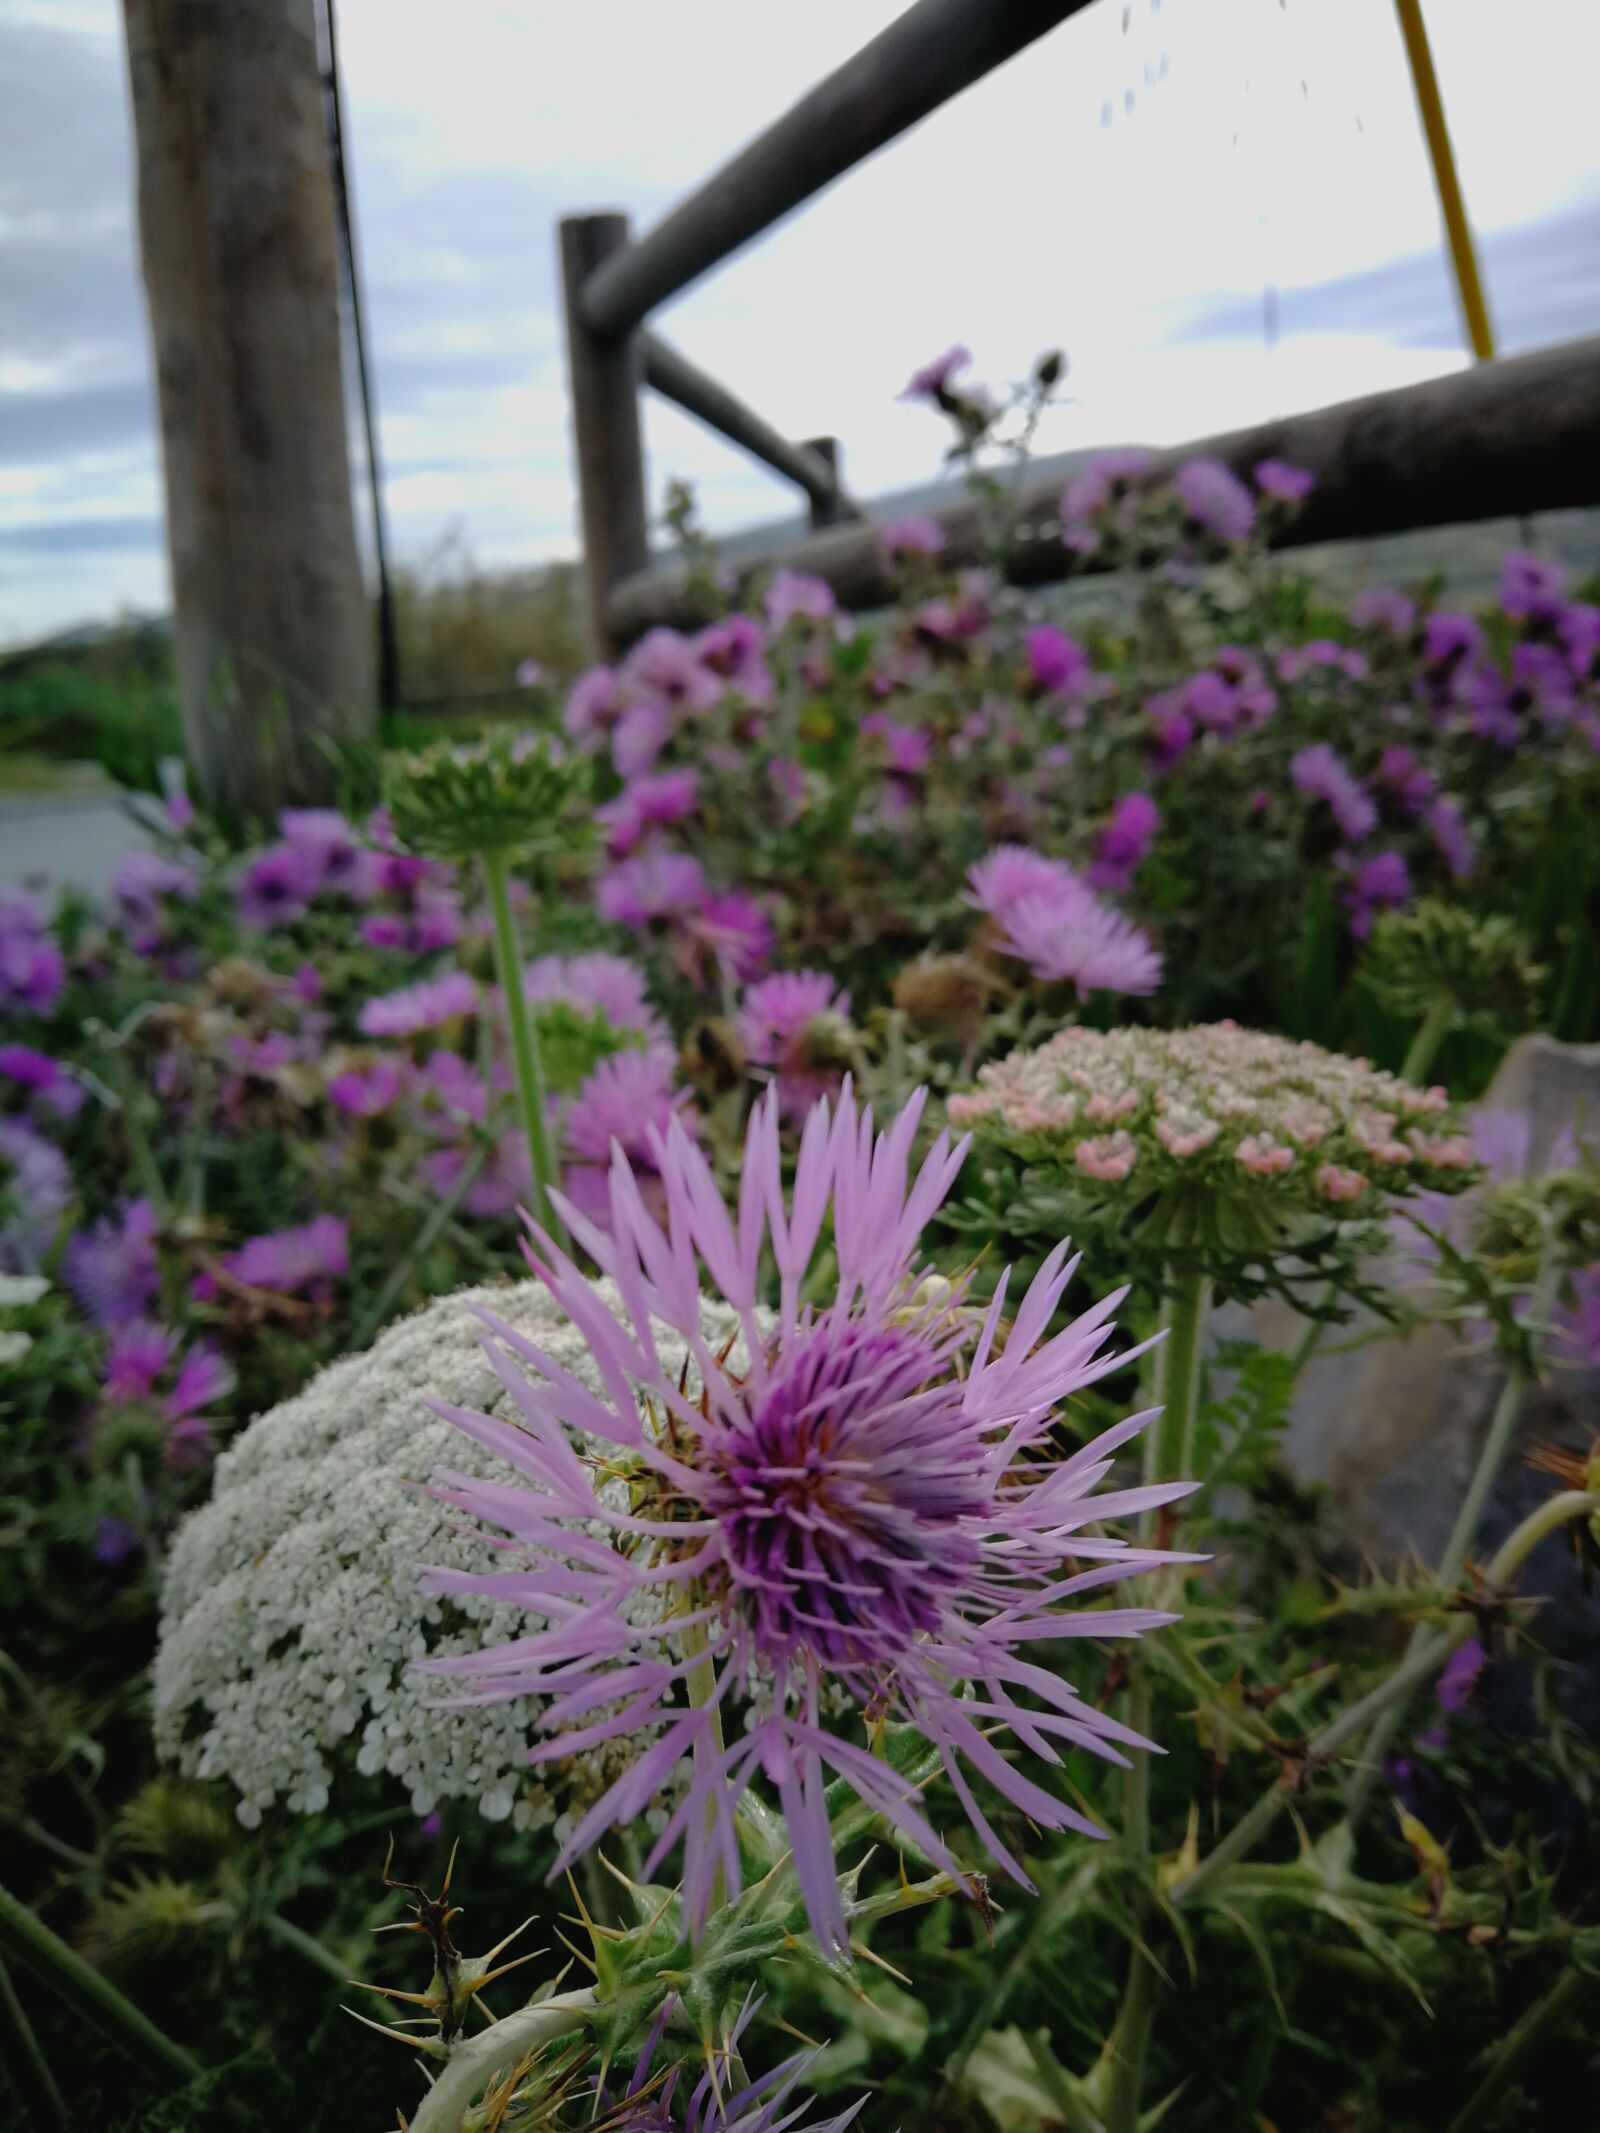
(672, 375)
(925, 57)
(840, 510)
(1518, 435)
(604, 375)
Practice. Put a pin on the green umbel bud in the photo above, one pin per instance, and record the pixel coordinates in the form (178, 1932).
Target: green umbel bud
(1439, 955)
(515, 797)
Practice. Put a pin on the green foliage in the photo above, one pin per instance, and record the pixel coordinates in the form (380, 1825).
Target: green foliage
(119, 713)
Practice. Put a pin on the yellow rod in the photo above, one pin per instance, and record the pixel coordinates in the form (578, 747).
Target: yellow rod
(1458, 232)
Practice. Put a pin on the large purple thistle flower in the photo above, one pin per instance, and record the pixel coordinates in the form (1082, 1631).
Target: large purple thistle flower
(860, 1499)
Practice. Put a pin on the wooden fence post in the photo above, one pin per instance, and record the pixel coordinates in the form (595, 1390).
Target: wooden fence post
(604, 376)
(838, 513)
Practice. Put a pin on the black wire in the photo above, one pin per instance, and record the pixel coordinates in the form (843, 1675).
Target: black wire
(388, 635)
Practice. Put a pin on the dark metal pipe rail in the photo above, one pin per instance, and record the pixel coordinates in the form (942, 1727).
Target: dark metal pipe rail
(1518, 435)
(925, 57)
(677, 379)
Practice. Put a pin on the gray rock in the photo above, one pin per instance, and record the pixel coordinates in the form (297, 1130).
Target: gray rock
(1393, 1430)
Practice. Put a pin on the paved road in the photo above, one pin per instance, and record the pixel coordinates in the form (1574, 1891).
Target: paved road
(70, 839)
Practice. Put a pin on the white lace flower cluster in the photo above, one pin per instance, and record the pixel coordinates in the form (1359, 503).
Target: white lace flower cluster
(1218, 1106)
(292, 1615)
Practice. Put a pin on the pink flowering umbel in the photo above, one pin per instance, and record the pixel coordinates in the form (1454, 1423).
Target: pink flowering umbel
(855, 1511)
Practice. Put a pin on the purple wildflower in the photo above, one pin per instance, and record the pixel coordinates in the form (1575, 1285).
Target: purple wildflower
(290, 1261)
(1409, 781)
(112, 1268)
(867, 1503)
(51, 1087)
(1172, 728)
(1450, 833)
(1324, 653)
(1449, 638)
(276, 887)
(1088, 494)
(33, 974)
(1002, 878)
(1077, 938)
(139, 1355)
(598, 984)
(1458, 1677)
(336, 861)
(794, 597)
(1542, 677)
(1531, 586)
(1578, 627)
(955, 621)
(935, 378)
(640, 735)
(1381, 882)
(501, 1184)
(1381, 607)
(366, 1092)
(908, 750)
(1323, 773)
(115, 1540)
(594, 704)
(649, 802)
(737, 650)
(529, 674)
(1055, 660)
(1281, 483)
(1215, 499)
(916, 534)
(1122, 847)
(654, 884)
(665, 665)
(787, 780)
(414, 1008)
(35, 1191)
(628, 1102)
(1485, 696)
(140, 886)
(729, 939)
(775, 1022)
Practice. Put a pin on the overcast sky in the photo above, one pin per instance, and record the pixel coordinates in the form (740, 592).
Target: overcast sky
(1125, 189)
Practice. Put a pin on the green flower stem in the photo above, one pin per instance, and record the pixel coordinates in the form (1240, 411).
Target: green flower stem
(1433, 1029)
(1484, 1475)
(524, 1039)
(306, 1945)
(130, 1102)
(1169, 1456)
(23, 2060)
(474, 2061)
(1415, 1668)
(1563, 1998)
(1169, 1443)
(92, 1996)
